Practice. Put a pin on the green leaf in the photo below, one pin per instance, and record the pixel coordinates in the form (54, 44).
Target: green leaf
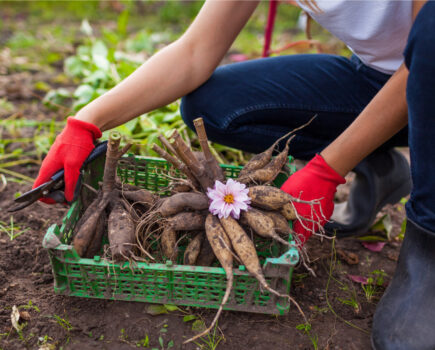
(170, 344)
(403, 200)
(140, 43)
(84, 94)
(74, 67)
(97, 78)
(99, 55)
(171, 117)
(401, 235)
(188, 318)
(372, 238)
(144, 342)
(198, 326)
(42, 85)
(86, 28)
(122, 22)
(84, 53)
(161, 342)
(171, 308)
(156, 309)
(163, 330)
(384, 224)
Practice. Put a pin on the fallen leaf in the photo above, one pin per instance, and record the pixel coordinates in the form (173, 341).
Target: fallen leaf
(188, 318)
(156, 310)
(171, 307)
(15, 318)
(372, 238)
(25, 315)
(238, 57)
(384, 224)
(350, 258)
(374, 246)
(198, 326)
(358, 279)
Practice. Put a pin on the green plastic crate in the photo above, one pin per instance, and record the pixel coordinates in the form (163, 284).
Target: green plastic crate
(162, 283)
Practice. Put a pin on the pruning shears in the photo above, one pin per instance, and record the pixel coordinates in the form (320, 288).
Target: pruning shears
(54, 188)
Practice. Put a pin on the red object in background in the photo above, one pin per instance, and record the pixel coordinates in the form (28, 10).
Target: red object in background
(268, 32)
(273, 4)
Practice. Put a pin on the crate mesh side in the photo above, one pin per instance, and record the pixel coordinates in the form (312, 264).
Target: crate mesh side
(198, 286)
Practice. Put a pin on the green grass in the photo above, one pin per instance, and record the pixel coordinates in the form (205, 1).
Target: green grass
(11, 229)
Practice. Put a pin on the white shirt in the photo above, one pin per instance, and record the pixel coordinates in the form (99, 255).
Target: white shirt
(375, 30)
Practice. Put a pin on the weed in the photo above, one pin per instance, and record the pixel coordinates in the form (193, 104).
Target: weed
(44, 340)
(306, 328)
(65, 324)
(123, 336)
(29, 306)
(374, 284)
(12, 230)
(332, 267)
(299, 277)
(352, 300)
(320, 310)
(144, 342)
(209, 341)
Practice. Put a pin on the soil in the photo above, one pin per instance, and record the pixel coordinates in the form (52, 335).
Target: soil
(73, 323)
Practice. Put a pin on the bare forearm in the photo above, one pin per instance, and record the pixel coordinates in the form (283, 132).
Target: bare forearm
(165, 77)
(383, 117)
(177, 69)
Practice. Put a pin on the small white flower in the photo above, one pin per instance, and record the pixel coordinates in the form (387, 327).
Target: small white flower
(228, 199)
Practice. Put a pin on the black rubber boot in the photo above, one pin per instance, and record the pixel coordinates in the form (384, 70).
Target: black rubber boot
(405, 316)
(381, 178)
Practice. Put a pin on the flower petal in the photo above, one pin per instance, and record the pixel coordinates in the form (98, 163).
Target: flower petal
(236, 212)
(217, 204)
(220, 187)
(213, 194)
(227, 210)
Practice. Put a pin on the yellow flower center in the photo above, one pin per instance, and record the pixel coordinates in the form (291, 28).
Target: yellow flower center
(229, 199)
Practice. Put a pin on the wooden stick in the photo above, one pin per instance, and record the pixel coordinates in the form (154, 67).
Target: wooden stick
(176, 163)
(113, 154)
(186, 154)
(189, 158)
(167, 144)
(212, 163)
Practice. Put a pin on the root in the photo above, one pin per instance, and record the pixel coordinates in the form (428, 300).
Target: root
(221, 307)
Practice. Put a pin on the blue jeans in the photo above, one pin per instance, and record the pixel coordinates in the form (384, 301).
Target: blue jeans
(249, 105)
(420, 92)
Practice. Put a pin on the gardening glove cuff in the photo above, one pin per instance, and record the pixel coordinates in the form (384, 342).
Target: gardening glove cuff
(70, 149)
(316, 181)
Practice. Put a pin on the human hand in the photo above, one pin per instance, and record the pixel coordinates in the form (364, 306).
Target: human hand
(70, 149)
(316, 181)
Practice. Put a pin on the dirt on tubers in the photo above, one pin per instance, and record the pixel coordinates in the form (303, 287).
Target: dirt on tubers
(141, 225)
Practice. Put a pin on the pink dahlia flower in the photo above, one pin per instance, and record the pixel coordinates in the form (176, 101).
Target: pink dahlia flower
(228, 199)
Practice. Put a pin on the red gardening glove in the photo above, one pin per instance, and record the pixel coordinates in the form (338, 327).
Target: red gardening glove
(71, 148)
(317, 180)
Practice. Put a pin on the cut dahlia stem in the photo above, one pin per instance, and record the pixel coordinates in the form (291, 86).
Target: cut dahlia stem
(212, 163)
(176, 163)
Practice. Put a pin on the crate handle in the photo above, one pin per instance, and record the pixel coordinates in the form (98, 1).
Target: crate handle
(51, 240)
(289, 258)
